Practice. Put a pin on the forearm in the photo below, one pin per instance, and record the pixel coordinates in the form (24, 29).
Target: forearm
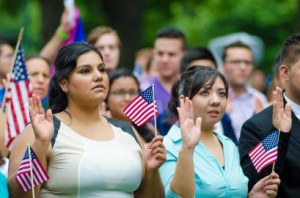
(183, 182)
(151, 186)
(50, 50)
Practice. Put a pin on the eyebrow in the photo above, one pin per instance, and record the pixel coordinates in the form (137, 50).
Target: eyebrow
(88, 65)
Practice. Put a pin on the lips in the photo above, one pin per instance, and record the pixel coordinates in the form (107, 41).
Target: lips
(99, 87)
(213, 113)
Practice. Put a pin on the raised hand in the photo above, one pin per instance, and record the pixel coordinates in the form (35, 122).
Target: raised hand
(155, 153)
(103, 111)
(266, 187)
(281, 115)
(42, 123)
(190, 131)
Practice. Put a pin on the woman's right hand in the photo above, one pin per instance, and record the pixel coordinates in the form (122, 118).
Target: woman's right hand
(190, 131)
(42, 123)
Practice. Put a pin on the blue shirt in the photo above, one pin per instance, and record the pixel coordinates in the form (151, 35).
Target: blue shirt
(210, 177)
(3, 186)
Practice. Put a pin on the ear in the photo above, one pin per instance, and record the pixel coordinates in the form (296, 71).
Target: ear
(284, 72)
(63, 83)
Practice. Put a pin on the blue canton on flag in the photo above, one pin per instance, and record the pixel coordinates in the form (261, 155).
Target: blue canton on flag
(265, 152)
(19, 71)
(141, 109)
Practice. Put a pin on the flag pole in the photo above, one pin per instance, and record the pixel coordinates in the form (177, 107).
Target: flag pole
(31, 172)
(154, 112)
(3, 109)
(273, 167)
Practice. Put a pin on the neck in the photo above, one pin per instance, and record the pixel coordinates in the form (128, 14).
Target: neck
(167, 82)
(293, 97)
(84, 114)
(206, 134)
(238, 89)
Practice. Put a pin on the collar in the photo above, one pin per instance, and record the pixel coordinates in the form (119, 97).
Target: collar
(295, 107)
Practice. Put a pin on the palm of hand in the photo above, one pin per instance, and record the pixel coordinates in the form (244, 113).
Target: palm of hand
(151, 162)
(42, 127)
(190, 133)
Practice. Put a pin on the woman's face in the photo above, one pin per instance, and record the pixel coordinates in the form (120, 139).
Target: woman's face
(210, 103)
(39, 75)
(122, 92)
(88, 84)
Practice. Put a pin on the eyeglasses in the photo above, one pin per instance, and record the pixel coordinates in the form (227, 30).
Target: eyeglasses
(122, 93)
(239, 62)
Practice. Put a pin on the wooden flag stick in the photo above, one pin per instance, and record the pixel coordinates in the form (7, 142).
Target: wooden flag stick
(154, 111)
(273, 167)
(11, 69)
(31, 172)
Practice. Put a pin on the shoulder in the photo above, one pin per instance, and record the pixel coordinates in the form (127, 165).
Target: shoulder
(258, 94)
(262, 118)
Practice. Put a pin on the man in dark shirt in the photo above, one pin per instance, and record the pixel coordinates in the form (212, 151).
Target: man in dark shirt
(261, 124)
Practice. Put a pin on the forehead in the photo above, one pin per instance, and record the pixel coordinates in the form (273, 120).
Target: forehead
(124, 82)
(218, 84)
(168, 44)
(89, 58)
(107, 39)
(239, 53)
(5, 48)
(203, 62)
(37, 64)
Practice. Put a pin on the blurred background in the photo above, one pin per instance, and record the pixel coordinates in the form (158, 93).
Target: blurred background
(271, 21)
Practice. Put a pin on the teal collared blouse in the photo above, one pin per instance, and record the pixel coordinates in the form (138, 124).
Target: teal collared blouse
(210, 177)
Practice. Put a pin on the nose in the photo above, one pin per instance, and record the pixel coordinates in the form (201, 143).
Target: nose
(165, 58)
(40, 78)
(98, 75)
(215, 99)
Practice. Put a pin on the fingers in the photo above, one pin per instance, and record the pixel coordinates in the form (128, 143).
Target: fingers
(271, 184)
(49, 116)
(158, 148)
(191, 110)
(288, 110)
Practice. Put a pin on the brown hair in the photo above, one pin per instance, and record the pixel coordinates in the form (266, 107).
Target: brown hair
(100, 31)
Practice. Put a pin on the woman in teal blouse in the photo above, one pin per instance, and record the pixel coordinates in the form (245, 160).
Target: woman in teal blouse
(201, 163)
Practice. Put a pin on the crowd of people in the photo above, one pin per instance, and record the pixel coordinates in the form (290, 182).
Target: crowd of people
(210, 117)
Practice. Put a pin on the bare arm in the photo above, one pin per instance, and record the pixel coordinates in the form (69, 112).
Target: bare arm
(183, 182)
(38, 135)
(50, 50)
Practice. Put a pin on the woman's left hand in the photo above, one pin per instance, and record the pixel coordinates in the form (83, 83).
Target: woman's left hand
(266, 187)
(155, 153)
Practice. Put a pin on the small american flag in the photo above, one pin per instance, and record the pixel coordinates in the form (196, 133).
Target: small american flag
(142, 108)
(23, 175)
(18, 93)
(265, 152)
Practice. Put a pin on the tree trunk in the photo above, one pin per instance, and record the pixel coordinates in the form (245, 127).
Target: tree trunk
(125, 17)
(51, 13)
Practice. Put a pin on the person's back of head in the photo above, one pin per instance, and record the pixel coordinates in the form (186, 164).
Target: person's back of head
(65, 64)
(195, 56)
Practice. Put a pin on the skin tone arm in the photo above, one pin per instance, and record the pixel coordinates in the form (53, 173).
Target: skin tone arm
(39, 133)
(50, 50)
(154, 156)
(183, 182)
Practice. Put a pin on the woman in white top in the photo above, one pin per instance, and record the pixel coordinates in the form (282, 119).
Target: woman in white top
(85, 154)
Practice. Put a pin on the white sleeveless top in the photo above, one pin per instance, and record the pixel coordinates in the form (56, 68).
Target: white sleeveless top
(81, 167)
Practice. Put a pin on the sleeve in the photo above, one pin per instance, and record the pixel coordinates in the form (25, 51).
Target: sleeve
(3, 187)
(251, 134)
(167, 171)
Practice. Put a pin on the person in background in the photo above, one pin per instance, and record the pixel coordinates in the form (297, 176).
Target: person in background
(66, 137)
(200, 162)
(38, 69)
(107, 40)
(6, 63)
(124, 87)
(201, 56)
(243, 100)
(258, 80)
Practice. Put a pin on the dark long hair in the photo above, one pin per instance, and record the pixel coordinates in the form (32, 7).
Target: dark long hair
(65, 63)
(191, 81)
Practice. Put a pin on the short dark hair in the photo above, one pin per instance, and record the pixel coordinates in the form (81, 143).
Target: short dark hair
(171, 33)
(291, 49)
(191, 81)
(197, 53)
(237, 44)
(65, 64)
